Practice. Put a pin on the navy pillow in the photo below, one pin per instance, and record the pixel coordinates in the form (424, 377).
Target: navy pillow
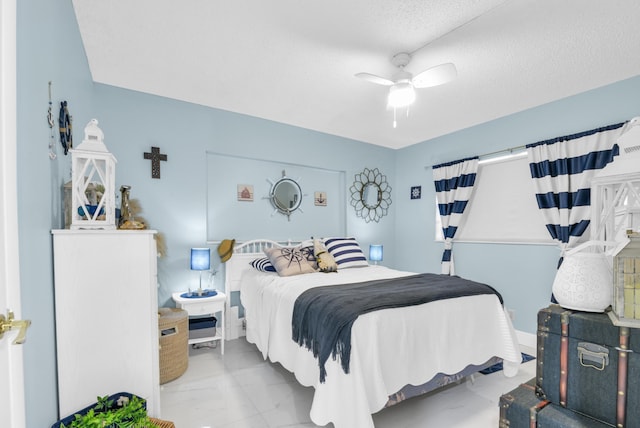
(263, 265)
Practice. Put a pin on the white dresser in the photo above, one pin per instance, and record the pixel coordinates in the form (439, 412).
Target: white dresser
(106, 316)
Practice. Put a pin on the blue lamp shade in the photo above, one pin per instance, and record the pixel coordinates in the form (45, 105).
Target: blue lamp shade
(375, 253)
(200, 259)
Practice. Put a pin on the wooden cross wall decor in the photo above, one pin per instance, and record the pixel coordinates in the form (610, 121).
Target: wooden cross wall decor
(155, 157)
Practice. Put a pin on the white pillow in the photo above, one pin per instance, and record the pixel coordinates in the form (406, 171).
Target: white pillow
(346, 252)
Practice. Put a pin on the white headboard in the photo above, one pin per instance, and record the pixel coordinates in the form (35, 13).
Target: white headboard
(243, 254)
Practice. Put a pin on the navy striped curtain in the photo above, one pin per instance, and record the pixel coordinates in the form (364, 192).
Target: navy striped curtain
(562, 170)
(454, 185)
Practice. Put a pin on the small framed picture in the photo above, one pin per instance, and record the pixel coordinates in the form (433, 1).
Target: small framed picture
(416, 192)
(245, 192)
(320, 199)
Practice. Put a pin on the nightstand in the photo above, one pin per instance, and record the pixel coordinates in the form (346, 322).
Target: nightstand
(196, 306)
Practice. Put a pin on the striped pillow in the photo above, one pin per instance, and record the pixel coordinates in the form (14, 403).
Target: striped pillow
(263, 265)
(346, 252)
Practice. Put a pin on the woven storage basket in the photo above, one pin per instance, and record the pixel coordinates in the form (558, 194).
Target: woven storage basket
(163, 424)
(173, 331)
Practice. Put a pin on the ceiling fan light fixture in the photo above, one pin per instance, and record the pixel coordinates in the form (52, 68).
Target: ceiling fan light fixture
(401, 94)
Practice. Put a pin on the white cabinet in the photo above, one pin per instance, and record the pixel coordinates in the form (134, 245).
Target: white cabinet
(106, 316)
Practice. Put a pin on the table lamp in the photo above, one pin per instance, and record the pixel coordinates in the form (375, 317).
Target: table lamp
(200, 260)
(375, 253)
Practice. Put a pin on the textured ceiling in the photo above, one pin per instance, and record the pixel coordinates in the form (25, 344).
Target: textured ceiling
(293, 61)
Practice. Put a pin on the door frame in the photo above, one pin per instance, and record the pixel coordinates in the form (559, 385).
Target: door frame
(11, 356)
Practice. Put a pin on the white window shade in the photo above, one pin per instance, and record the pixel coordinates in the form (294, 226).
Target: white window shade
(503, 206)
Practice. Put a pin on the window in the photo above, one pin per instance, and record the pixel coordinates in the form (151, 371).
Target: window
(503, 206)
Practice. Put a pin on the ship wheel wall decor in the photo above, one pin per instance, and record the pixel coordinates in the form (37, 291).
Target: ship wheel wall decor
(370, 195)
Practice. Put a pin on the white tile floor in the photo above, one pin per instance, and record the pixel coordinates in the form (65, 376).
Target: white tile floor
(241, 390)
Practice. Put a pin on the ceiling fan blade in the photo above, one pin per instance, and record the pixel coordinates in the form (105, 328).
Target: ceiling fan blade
(375, 79)
(434, 76)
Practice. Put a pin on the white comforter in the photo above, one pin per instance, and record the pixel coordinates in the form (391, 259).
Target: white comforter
(390, 348)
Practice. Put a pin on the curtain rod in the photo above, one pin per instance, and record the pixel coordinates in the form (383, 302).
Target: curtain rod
(508, 151)
(633, 121)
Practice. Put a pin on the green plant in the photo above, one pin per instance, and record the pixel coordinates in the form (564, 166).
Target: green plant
(125, 413)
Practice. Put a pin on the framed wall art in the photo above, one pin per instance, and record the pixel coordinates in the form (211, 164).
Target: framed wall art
(320, 199)
(245, 192)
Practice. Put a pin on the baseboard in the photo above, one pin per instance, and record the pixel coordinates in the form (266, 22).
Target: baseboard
(527, 339)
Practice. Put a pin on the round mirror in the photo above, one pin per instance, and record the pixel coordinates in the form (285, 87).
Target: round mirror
(286, 195)
(371, 195)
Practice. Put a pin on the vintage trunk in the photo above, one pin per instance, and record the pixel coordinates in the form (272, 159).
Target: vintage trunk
(553, 416)
(519, 408)
(588, 365)
(522, 408)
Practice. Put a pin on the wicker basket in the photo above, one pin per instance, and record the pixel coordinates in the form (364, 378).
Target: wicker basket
(173, 331)
(163, 424)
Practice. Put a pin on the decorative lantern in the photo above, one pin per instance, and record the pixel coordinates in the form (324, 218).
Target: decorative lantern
(615, 191)
(615, 217)
(626, 284)
(92, 182)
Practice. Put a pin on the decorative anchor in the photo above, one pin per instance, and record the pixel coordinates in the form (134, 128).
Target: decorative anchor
(52, 139)
(155, 157)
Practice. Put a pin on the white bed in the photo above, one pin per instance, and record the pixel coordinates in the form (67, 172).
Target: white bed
(390, 348)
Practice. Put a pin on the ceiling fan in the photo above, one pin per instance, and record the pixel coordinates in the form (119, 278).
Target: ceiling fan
(403, 84)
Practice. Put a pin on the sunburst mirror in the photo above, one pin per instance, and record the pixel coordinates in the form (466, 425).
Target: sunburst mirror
(370, 195)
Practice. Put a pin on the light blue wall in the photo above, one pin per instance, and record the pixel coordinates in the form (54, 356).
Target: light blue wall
(49, 49)
(176, 204)
(522, 273)
(236, 218)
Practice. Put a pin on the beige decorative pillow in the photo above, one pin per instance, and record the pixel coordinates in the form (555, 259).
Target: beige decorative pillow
(326, 262)
(289, 261)
(306, 248)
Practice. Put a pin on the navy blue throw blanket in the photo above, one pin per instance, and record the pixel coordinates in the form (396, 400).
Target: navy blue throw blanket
(323, 316)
